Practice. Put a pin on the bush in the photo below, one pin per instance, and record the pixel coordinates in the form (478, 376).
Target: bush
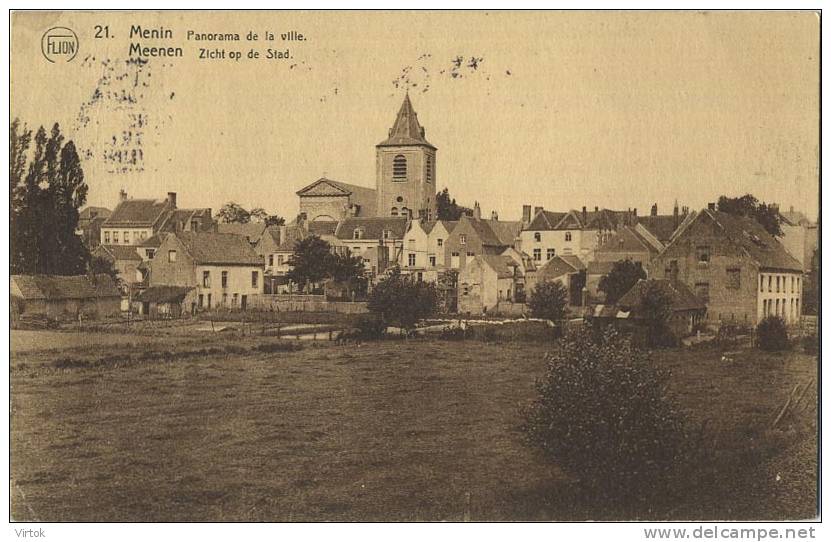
(278, 347)
(602, 415)
(772, 334)
(548, 300)
(370, 326)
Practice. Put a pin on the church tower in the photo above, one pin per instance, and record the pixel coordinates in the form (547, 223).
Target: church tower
(405, 166)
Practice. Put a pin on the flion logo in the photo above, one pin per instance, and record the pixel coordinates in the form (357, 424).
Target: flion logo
(59, 44)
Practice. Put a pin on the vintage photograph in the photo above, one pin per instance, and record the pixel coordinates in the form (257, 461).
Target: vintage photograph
(414, 266)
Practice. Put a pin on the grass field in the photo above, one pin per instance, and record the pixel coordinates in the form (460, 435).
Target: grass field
(409, 430)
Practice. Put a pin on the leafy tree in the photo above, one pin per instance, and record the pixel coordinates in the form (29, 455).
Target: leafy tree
(602, 414)
(45, 193)
(548, 300)
(624, 275)
(270, 220)
(656, 306)
(749, 206)
(349, 270)
(103, 266)
(401, 301)
(311, 262)
(772, 334)
(448, 209)
(233, 213)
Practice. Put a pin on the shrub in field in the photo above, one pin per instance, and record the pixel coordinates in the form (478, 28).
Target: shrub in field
(548, 300)
(278, 347)
(401, 301)
(601, 414)
(772, 334)
(370, 326)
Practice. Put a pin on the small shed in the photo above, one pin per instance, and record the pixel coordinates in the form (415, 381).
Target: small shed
(166, 301)
(65, 297)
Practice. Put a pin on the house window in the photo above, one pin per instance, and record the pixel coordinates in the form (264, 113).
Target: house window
(550, 253)
(399, 168)
(280, 259)
(440, 242)
(358, 233)
(194, 225)
(151, 252)
(126, 238)
(115, 237)
(234, 300)
(411, 259)
(209, 300)
(206, 279)
(255, 279)
(225, 279)
(568, 236)
(201, 301)
(432, 261)
(470, 254)
(702, 290)
(734, 278)
(405, 212)
(702, 254)
(387, 234)
(454, 260)
(537, 254)
(462, 239)
(770, 283)
(143, 235)
(537, 237)
(793, 283)
(761, 283)
(356, 249)
(777, 284)
(428, 173)
(171, 256)
(106, 238)
(271, 260)
(465, 289)
(394, 211)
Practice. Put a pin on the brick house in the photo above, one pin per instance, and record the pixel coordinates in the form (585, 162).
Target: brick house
(378, 240)
(223, 268)
(276, 247)
(473, 236)
(573, 233)
(489, 280)
(424, 252)
(737, 268)
(634, 243)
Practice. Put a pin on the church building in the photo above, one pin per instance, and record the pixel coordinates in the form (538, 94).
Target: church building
(405, 183)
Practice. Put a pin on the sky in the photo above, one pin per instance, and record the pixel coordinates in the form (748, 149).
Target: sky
(554, 109)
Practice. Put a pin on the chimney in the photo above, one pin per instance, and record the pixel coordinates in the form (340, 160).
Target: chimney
(537, 210)
(596, 208)
(122, 195)
(635, 211)
(654, 210)
(477, 211)
(526, 215)
(171, 199)
(791, 208)
(494, 215)
(711, 206)
(675, 216)
(585, 215)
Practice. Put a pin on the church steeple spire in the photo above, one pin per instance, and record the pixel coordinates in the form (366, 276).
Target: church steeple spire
(406, 129)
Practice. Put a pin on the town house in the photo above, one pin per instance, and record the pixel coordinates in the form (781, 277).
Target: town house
(472, 236)
(378, 240)
(737, 268)
(224, 268)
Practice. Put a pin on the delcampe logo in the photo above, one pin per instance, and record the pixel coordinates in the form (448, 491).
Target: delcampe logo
(59, 44)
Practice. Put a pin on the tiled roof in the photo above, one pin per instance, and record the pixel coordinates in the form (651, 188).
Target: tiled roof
(661, 226)
(282, 238)
(163, 294)
(485, 231)
(372, 228)
(546, 220)
(555, 267)
(448, 225)
(406, 130)
(506, 231)
(753, 238)
(88, 213)
(54, 287)
(574, 262)
(252, 230)
(322, 227)
(363, 196)
(503, 265)
(679, 294)
(154, 241)
(137, 213)
(626, 239)
(219, 248)
(120, 252)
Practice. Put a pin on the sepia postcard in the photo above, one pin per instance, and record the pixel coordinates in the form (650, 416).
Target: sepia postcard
(415, 266)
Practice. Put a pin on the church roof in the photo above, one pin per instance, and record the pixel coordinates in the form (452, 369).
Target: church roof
(406, 130)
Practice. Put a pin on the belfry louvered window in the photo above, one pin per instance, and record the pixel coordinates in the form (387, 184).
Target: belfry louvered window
(399, 168)
(428, 173)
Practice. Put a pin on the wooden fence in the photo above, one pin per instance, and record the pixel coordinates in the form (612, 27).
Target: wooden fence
(304, 303)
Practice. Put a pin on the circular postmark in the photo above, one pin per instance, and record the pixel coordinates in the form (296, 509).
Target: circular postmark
(59, 44)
